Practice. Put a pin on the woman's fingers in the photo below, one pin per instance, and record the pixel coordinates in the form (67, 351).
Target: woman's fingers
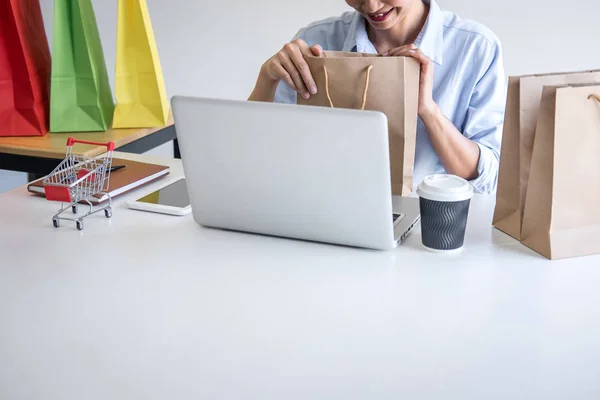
(419, 55)
(410, 51)
(398, 51)
(297, 55)
(288, 64)
(283, 74)
(317, 50)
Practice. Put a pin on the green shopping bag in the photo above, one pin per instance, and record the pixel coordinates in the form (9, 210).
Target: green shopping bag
(81, 99)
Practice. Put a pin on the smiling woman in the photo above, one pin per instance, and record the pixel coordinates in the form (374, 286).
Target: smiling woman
(462, 86)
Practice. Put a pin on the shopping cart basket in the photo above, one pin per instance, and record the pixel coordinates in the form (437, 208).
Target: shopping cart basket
(76, 179)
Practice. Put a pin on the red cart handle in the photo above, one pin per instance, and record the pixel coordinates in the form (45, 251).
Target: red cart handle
(110, 146)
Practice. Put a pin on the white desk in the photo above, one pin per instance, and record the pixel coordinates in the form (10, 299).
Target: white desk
(146, 306)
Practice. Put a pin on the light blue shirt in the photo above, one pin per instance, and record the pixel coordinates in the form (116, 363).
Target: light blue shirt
(469, 83)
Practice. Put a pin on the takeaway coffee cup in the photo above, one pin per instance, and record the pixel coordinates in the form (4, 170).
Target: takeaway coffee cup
(444, 203)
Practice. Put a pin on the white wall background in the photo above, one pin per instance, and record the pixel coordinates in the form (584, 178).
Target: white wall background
(215, 48)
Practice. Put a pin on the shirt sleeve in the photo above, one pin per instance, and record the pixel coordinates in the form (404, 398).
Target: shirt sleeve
(485, 120)
(285, 94)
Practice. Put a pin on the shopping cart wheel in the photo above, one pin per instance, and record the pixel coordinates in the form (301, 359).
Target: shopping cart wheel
(80, 225)
(55, 222)
(108, 212)
(74, 208)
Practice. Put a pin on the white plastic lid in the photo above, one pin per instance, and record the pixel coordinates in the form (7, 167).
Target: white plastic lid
(445, 188)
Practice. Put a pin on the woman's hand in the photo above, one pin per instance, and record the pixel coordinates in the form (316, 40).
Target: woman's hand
(458, 154)
(426, 103)
(288, 64)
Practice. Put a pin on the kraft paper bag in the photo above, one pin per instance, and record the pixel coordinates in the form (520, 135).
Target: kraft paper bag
(372, 82)
(80, 94)
(562, 213)
(521, 114)
(24, 69)
(139, 85)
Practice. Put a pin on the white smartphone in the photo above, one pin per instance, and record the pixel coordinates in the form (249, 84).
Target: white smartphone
(171, 199)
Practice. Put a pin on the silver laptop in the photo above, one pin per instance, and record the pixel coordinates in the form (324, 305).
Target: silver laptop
(301, 172)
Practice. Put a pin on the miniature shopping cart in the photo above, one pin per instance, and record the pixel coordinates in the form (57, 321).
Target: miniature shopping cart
(77, 179)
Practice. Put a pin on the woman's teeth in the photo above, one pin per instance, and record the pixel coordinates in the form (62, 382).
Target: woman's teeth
(380, 16)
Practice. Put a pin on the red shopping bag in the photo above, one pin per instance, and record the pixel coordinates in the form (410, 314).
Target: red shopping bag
(24, 69)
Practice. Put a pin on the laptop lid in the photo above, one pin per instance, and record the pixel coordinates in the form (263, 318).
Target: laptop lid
(309, 173)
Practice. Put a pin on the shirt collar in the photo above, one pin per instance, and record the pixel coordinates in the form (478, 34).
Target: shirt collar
(430, 40)
(431, 37)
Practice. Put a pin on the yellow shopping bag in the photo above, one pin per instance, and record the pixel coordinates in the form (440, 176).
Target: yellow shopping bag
(139, 84)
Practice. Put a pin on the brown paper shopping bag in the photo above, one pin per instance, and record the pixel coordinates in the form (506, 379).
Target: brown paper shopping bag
(371, 82)
(521, 114)
(562, 213)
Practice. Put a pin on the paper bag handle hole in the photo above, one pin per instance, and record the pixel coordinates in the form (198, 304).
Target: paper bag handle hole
(364, 98)
(594, 96)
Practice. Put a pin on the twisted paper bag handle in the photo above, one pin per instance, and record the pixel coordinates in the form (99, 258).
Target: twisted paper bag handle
(364, 98)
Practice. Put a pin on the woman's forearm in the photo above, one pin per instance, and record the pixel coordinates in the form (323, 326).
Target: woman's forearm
(458, 154)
